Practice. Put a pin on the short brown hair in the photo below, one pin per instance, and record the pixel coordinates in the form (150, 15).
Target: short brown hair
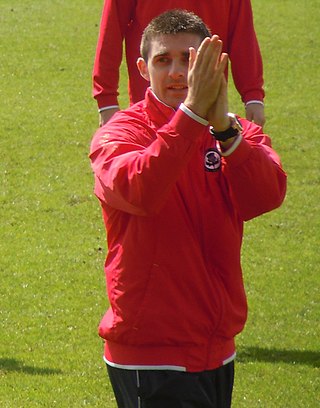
(172, 22)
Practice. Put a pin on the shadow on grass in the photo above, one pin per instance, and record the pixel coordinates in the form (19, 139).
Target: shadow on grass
(311, 358)
(11, 364)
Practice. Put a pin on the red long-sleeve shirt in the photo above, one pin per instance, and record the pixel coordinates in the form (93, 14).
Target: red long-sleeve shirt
(174, 211)
(124, 20)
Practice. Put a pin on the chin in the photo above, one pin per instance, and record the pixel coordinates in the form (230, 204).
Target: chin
(176, 103)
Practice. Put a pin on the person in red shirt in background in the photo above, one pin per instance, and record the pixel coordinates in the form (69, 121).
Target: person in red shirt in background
(125, 20)
(177, 176)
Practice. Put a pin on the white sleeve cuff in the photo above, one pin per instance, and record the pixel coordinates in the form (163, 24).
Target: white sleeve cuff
(232, 148)
(108, 107)
(253, 102)
(192, 115)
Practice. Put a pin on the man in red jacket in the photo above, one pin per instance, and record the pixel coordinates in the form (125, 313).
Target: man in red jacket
(176, 176)
(125, 20)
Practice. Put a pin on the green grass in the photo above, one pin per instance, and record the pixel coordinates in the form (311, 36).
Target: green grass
(52, 239)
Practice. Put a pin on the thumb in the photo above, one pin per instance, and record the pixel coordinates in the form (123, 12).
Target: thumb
(224, 87)
(223, 93)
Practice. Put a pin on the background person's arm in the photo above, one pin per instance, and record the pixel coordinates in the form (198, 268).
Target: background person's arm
(116, 16)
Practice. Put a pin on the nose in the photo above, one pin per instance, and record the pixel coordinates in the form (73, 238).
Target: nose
(177, 70)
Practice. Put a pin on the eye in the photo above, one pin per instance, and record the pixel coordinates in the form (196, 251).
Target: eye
(163, 60)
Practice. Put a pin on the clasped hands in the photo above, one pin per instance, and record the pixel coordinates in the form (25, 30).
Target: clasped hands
(207, 86)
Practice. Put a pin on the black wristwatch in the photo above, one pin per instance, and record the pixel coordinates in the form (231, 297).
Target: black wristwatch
(234, 129)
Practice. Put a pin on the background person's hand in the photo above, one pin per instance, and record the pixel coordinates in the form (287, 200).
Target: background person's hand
(255, 113)
(106, 115)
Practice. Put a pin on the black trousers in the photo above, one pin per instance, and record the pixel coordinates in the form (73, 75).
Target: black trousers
(172, 389)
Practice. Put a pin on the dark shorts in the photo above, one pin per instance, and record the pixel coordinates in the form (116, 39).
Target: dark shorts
(172, 389)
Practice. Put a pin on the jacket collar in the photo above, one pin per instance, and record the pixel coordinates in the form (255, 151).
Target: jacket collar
(158, 111)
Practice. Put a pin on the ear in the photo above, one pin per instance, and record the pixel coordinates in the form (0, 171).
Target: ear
(143, 68)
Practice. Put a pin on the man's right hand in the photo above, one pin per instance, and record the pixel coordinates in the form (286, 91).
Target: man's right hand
(106, 115)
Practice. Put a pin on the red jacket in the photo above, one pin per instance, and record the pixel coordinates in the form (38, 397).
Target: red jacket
(174, 225)
(125, 20)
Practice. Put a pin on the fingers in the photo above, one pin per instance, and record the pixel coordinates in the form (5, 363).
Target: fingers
(192, 57)
(224, 61)
(208, 63)
(209, 52)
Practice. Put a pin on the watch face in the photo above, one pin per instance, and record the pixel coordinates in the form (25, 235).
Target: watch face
(238, 125)
(235, 122)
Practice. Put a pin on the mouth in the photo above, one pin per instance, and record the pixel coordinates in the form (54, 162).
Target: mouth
(177, 87)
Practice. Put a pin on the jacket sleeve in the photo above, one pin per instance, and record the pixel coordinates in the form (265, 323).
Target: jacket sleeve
(255, 176)
(244, 52)
(134, 171)
(116, 17)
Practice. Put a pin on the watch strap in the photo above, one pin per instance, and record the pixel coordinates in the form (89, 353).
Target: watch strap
(232, 131)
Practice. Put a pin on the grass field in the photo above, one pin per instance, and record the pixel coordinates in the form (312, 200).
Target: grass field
(52, 244)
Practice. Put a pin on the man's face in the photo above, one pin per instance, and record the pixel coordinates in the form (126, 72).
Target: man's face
(167, 66)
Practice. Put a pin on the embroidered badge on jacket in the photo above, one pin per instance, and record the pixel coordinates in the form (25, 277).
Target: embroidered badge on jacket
(212, 160)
